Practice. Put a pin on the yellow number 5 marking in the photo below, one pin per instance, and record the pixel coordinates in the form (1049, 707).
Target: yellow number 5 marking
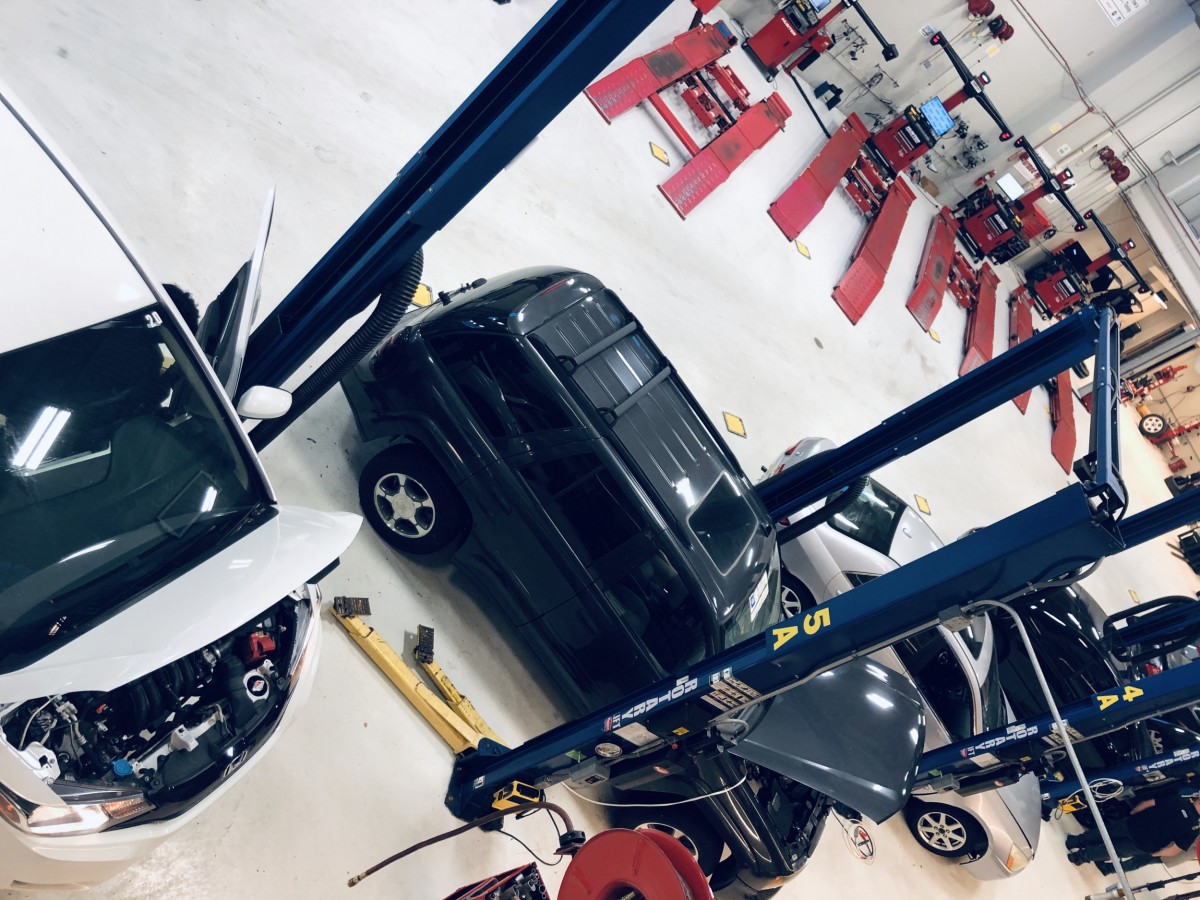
(814, 622)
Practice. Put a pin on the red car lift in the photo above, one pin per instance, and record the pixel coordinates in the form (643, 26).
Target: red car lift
(963, 281)
(643, 78)
(991, 224)
(1070, 275)
(910, 136)
(1020, 328)
(1062, 418)
(712, 166)
(934, 274)
(800, 24)
(863, 280)
(799, 204)
(980, 342)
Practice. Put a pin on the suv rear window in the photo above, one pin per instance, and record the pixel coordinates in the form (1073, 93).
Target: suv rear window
(724, 522)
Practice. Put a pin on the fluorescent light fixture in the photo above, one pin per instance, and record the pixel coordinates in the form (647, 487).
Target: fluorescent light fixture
(1011, 187)
(41, 437)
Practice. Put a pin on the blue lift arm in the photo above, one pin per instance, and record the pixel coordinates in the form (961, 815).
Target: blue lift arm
(1064, 533)
(551, 66)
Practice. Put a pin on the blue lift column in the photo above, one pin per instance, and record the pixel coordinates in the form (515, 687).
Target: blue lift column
(551, 66)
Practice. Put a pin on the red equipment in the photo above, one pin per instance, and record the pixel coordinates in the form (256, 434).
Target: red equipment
(691, 59)
(934, 274)
(1062, 418)
(524, 881)
(622, 863)
(910, 136)
(712, 166)
(1143, 385)
(1070, 276)
(806, 196)
(1117, 169)
(642, 78)
(980, 340)
(801, 24)
(862, 282)
(991, 224)
(1020, 328)
(963, 284)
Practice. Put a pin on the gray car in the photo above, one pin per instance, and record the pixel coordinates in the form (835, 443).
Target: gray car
(995, 833)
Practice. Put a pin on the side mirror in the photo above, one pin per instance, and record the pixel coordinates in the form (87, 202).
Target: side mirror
(262, 402)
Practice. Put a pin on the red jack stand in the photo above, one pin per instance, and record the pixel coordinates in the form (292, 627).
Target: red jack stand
(799, 204)
(934, 274)
(864, 279)
(1062, 417)
(1020, 328)
(980, 343)
(712, 166)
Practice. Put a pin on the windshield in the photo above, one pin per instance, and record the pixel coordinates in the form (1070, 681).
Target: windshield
(871, 518)
(117, 469)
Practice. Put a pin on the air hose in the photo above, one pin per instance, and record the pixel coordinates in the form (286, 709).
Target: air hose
(394, 302)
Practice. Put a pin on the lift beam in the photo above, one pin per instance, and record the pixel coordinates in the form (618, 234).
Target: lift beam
(1069, 530)
(551, 65)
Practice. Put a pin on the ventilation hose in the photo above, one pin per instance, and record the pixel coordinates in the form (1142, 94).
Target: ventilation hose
(834, 504)
(394, 302)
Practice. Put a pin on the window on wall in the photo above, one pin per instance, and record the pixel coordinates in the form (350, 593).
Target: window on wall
(499, 382)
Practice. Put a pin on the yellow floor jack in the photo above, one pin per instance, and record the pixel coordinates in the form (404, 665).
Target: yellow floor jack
(655, 864)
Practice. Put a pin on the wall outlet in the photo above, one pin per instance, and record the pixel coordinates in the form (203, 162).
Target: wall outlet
(1063, 150)
(928, 30)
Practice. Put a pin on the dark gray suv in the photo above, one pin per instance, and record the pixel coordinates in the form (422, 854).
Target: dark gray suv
(530, 429)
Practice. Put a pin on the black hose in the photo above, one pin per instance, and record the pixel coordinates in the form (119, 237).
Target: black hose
(812, 109)
(394, 302)
(834, 504)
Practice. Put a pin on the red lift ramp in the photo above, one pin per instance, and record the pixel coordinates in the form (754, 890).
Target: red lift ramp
(1020, 328)
(642, 78)
(712, 166)
(864, 279)
(806, 196)
(934, 274)
(981, 322)
(1062, 418)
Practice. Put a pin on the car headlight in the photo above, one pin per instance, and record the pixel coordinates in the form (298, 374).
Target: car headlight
(86, 809)
(1017, 860)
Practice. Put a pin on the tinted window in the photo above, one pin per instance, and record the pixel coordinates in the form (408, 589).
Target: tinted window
(872, 518)
(658, 608)
(936, 671)
(500, 384)
(582, 498)
(724, 522)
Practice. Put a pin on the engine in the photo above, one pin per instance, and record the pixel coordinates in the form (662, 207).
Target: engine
(166, 730)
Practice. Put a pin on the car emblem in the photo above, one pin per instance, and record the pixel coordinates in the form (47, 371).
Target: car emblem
(235, 764)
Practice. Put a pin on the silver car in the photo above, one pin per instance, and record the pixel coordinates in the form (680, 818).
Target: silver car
(994, 833)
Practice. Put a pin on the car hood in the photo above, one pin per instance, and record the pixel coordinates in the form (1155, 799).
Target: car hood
(193, 610)
(913, 538)
(854, 733)
(1024, 802)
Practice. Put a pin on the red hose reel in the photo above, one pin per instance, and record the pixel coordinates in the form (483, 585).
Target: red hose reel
(618, 861)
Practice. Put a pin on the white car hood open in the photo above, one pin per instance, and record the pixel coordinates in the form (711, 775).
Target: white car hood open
(193, 610)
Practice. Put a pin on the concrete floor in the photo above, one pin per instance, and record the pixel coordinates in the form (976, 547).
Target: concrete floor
(182, 115)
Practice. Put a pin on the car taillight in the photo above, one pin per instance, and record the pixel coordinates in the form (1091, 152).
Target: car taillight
(1152, 669)
(778, 469)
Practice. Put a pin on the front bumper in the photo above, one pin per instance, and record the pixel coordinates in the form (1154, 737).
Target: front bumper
(47, 863)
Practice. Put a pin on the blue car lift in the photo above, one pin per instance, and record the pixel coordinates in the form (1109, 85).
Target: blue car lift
(1075, 527)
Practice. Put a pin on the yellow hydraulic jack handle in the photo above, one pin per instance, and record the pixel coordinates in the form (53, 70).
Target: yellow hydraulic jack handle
(454, 718)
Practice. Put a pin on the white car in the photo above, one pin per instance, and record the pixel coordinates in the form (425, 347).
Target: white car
(158, 612)
(995, 833)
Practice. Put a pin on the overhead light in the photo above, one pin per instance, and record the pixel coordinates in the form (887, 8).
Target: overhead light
(46, 428)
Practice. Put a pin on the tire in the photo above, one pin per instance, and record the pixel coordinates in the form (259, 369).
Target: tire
(794, 597)
(1049, 233)
(944, 831)
(1152, 425)
(409, 501)
(688, 826)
